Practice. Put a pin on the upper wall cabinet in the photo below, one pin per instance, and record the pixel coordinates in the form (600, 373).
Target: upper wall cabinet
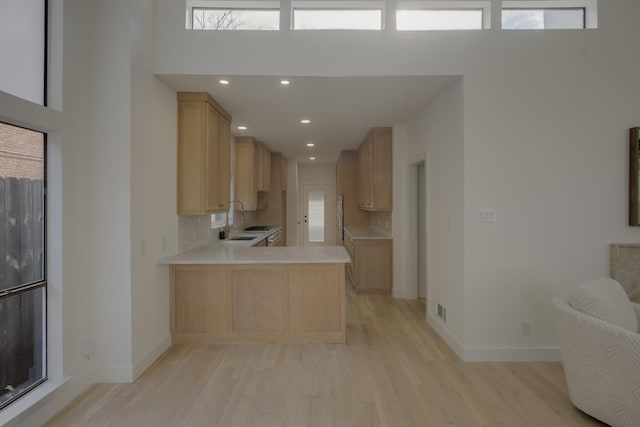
(264, 167)
(204, 155)
(246, 177)
(347, 178)
(375, 171)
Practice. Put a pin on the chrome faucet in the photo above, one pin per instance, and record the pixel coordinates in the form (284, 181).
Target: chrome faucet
(226, 226)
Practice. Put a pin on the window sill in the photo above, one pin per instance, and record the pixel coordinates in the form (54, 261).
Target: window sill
(27, 403)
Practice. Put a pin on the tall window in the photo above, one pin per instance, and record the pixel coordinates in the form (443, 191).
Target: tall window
(22, 262)
(23, 32)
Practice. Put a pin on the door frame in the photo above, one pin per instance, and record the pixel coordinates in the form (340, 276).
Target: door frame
(411, 171)
(329, 214)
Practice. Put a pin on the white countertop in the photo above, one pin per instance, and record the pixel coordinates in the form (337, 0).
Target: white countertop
(240, 252)
(366, 233)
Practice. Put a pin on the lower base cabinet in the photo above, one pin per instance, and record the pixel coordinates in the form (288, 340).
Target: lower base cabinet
(370, 270)
(272, 303)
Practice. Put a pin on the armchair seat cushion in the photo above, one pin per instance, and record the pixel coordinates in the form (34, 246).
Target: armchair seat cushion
(606, 300)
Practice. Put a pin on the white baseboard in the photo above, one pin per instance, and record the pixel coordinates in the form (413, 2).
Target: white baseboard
(494, 354)
(116, 374)
(446, 335)
(147, 360)
(511, 354)
(128, 373)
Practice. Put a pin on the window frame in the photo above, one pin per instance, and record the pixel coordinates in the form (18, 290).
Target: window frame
(482, 19)
(193, 10)
(37, 284)
(244, 5)
(484, 6)
(589, 7)
(543, 9)
(337, 6)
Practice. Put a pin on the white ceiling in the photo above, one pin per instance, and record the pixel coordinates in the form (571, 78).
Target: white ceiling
(341, 109)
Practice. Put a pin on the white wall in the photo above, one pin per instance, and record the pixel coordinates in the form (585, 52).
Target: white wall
(437, 135)
(546, 116)
(111, 190)
(153, 193)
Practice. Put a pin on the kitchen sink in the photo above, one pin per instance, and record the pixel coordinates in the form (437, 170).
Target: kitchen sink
(243, 238)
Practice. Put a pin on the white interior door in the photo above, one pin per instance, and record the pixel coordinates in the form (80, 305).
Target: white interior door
(317, 219)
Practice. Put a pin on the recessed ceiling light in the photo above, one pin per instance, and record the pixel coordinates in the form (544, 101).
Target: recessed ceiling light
(242, 127)
(285, 82)
(310, 144)
(312, 158)
(224, 82)
(305, 121)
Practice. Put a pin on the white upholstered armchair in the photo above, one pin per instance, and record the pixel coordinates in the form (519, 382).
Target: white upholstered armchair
(600, 348)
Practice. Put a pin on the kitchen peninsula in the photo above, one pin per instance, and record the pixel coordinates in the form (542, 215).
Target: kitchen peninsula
(231, 292)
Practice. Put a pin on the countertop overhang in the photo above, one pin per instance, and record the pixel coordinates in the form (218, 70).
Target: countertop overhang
(221, 253)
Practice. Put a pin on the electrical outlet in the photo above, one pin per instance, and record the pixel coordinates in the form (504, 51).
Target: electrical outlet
(525, 329)
(89, 348)
(439, 311)
(444, 314)
(487, 215)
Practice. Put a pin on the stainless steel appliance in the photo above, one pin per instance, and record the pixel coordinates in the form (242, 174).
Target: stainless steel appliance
(340, 215)
(275, 239)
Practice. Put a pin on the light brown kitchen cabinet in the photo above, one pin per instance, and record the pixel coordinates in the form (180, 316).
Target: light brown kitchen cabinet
(275, 212)
(301, 303)
(370, 270)
(283, 174)
(264, 167)
(204, 155)
(375, 171)
(347, 185)
(246, 175)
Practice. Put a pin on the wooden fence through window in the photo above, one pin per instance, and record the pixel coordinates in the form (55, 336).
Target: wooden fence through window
(21, 262)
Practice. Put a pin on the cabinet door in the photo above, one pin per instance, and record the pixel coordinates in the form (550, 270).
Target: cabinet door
(192, 117)
(260, 166)
(364, 165)
(204, 154)
(267, 169)
(381, 171)
(225, 163)
(284, 173)
(373, 266)
(340, 174)
(263, 167)
(213, 198)
(245, 177)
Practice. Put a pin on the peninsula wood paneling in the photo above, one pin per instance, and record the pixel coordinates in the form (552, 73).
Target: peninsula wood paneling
(258, 300)
(201, 300)
(268, 302)
(315, 301)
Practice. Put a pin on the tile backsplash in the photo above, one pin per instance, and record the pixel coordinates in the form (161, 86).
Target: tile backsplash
(194, 231)
(381, 221)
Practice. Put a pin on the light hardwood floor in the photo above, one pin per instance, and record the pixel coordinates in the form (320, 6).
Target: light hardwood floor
(394, 371)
